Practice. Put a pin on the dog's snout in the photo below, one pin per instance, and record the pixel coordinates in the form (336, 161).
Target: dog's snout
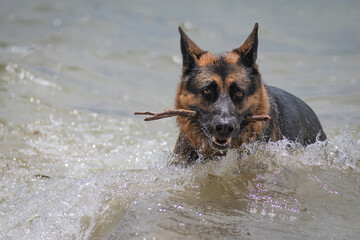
(225, 128)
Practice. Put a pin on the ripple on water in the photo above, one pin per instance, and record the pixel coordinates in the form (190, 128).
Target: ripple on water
(89, 175)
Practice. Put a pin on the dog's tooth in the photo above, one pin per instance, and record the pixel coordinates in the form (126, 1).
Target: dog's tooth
(221, 142)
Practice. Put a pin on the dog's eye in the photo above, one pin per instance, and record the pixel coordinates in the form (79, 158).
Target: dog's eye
(239, 94)
(207, 91)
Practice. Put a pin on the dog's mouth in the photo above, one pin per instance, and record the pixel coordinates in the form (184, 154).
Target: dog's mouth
(220, 143)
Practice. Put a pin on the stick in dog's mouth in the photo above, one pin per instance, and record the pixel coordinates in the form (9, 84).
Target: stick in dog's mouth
(191, 114)
(216, 142)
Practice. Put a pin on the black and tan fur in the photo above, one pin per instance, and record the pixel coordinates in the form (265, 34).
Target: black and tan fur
(224, 89)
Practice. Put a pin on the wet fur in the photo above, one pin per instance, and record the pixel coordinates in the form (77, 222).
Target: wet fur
(224, 76)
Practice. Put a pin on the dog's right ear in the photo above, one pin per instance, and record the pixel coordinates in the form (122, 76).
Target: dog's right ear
(191, 53)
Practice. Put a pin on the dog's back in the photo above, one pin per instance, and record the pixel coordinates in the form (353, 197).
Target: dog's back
(295, 119)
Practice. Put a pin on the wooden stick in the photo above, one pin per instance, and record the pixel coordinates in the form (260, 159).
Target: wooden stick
(257, 118)
(167, 113)
(190, 113)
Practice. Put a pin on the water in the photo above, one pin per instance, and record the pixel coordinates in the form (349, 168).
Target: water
(76, 164)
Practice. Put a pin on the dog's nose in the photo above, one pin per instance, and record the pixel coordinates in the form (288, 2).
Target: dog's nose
(225, 129)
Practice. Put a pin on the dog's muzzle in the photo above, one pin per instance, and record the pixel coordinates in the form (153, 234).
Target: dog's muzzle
(222, 135)
(220, 127)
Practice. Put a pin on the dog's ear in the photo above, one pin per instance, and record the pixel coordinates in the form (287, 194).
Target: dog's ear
(189, 50)
(248, 51)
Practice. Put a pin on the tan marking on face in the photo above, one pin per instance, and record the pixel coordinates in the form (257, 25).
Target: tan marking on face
(231, 57)
(216, 78)
(258, 103)
(207, 59)
(185, 99)
(240, 78)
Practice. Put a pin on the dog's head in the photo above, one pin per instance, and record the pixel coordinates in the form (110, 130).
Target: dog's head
(223, 89)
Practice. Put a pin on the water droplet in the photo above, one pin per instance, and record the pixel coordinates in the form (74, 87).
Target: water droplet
(188, 25)
(177, 59)
(57, 22)
(22, 75)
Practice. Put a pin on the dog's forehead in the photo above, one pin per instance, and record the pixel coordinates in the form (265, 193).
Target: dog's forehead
(221, 68)
(209, 58)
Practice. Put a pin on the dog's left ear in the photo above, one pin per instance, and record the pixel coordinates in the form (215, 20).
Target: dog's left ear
(248, 51)
(189, 50)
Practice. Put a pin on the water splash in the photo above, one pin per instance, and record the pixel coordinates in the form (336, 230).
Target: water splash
(83, 175)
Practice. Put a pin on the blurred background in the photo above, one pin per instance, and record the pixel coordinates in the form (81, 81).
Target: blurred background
(115, 57)
(73, 72)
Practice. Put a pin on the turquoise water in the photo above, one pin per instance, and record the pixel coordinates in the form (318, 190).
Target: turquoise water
(76, 164)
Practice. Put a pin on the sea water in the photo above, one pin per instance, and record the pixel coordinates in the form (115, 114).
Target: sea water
(76, 164)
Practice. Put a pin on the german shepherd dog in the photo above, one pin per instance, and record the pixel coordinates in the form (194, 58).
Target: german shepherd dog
(223, 90)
